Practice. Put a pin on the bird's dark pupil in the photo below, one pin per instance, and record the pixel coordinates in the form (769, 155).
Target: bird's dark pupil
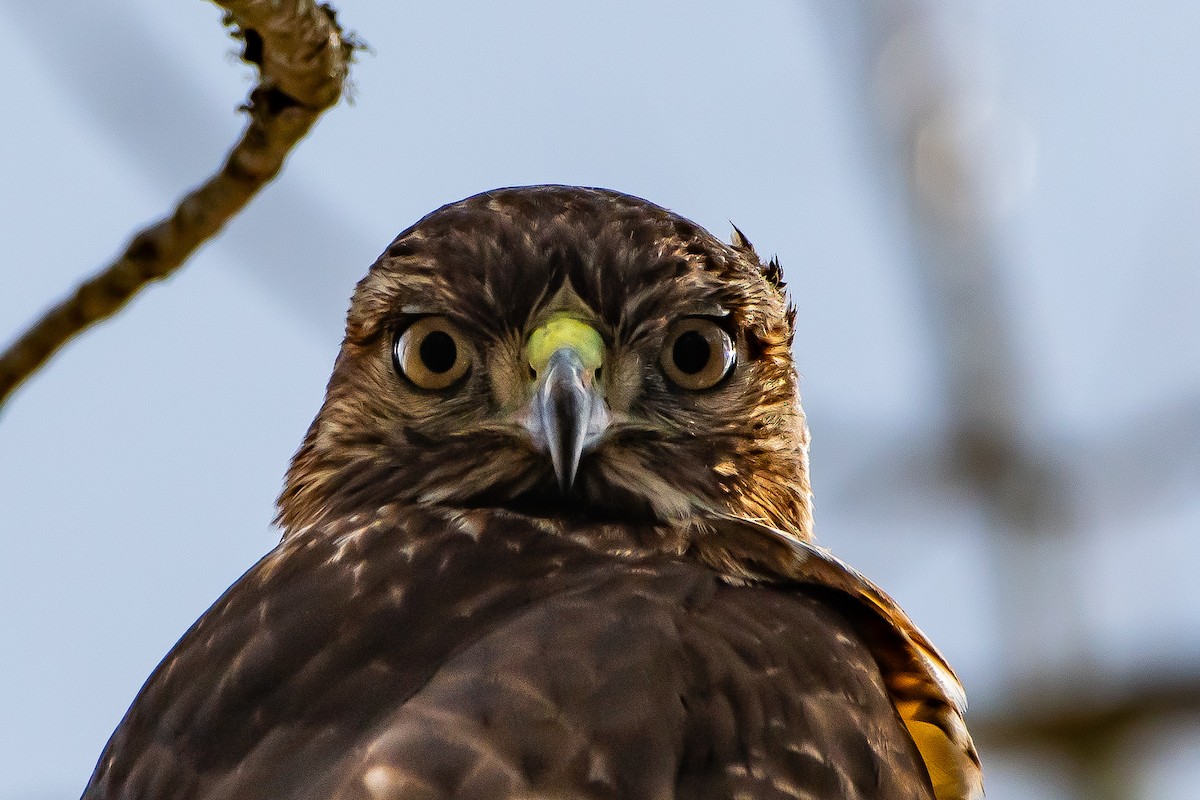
(438, 352)
(691, 352)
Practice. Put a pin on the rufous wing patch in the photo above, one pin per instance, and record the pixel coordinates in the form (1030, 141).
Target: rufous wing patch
(924, 689)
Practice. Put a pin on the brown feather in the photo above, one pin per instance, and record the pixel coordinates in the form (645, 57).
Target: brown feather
(442, 620)
(496, 261)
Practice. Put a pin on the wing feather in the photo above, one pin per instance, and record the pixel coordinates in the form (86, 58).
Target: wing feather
(433, 657)
(924, 688)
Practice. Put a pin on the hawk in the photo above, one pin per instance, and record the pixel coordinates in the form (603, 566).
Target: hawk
(550, 536)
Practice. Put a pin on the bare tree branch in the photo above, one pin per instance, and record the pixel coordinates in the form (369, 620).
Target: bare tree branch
(1098, 734)
(1053, 713)
(302, 58)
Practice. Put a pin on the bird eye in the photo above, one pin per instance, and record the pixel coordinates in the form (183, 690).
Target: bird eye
(697, 353)
(432, 353)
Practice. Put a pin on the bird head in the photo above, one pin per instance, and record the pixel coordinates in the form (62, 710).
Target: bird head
(562, 352)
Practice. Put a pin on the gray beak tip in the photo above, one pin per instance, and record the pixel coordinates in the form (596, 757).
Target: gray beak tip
(564, 406)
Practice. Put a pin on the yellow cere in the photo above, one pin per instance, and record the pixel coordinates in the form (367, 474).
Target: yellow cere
(563, 330)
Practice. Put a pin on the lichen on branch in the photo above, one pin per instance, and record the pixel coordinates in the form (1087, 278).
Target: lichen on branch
(303, 58)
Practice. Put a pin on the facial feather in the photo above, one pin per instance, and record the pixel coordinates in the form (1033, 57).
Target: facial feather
(495, 265)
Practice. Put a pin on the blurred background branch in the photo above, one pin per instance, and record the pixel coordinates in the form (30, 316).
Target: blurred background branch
(962, 159)
(303, 59)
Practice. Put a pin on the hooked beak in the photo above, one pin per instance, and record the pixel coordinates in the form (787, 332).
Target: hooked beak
(568, 415)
